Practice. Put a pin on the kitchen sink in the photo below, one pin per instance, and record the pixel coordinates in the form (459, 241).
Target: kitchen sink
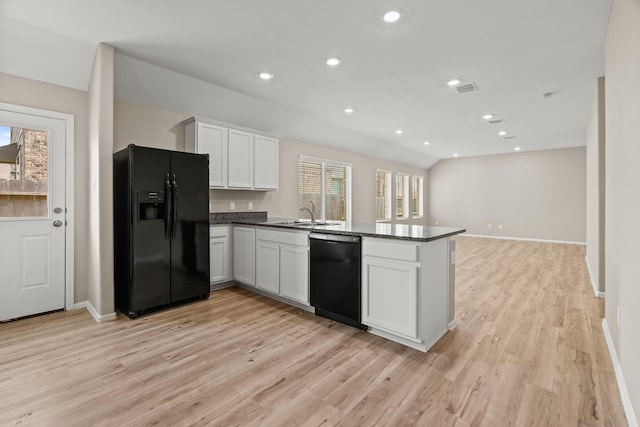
(292, 222)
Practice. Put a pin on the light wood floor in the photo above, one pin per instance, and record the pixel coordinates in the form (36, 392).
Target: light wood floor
(528, 350)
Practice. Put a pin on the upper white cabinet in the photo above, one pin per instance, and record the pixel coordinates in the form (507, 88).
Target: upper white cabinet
(205, 138)
(265, 175)
(239, 159)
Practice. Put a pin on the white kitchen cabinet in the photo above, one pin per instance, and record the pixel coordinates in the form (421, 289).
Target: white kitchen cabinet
(244, 255)
(405, 290)
(205, 138)
(389, 295)
(265, 175)
(268, 266)
(282, 263)
(294, 272)
(240, 159)
(220, 253)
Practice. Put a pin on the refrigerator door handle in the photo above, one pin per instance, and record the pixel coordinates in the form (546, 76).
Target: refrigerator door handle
(174, 196)
(168, 208)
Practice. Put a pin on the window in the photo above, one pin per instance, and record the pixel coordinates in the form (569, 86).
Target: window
(402, 196)
(417, 204)
(383, 195)
(326, 184)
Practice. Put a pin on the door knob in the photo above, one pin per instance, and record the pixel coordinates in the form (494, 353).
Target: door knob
(57, 223)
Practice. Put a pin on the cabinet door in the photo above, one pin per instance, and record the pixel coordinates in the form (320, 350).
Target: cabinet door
(389, 295)
(268, 266)
(294, 273)
(212, 140)
(240, 159)
(219, 254)
(265, 163)
(244, 255)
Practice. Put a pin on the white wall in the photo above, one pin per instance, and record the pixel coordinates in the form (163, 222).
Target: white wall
(534, 195)
(100, 273)
(622, 253)
(596, 189)
(31, 93)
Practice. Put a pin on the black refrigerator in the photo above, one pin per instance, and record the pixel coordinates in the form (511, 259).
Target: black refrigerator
(161, 228)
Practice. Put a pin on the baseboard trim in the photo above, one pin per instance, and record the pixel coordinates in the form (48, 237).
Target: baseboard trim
(221, 285)
(79, 305)
(596, 292)
(622, 385)
(100, 317)
(484, 236)
(452, 325)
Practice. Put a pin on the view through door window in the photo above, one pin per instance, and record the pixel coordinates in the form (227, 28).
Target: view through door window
(24, 172)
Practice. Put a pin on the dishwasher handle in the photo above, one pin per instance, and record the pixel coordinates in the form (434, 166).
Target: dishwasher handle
(335, 237)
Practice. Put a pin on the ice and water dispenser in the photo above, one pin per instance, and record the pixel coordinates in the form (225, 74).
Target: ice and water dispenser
(151, 205)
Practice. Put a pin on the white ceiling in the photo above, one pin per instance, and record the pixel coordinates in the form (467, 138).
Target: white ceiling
(394, 75)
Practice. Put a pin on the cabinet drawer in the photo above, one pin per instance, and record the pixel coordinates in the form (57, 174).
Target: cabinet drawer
(297, 238)
(385, 248)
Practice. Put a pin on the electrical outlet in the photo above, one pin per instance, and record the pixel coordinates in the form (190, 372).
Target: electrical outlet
(250, 205)
(437, 222)
(490, 225)
(618, 316)
(232, 206)
(500, 226)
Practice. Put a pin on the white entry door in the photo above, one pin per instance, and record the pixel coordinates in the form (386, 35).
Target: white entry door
(32, 214)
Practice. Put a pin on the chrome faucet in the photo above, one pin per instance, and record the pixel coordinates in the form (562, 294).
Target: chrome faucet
(312, 212)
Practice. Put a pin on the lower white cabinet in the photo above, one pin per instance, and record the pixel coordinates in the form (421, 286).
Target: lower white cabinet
(389, 295)
(244, 255)
(220, 253)
(294, 272)
(268, 266)
(405, 290)
(282, 263)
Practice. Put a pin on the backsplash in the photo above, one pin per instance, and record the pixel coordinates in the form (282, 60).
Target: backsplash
(227, 217)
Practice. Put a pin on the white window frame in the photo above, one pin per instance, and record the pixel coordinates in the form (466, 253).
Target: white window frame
(323, 185)
(405, 196)
(421, 207)
(387, 195)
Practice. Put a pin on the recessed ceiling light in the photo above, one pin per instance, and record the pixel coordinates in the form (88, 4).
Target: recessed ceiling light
(488, 116)
(516, 148)
(427, 143)
(502, 133)
(455, 154)
(349, 110)
(454, 82)
(265, 76)
(334, 61)
(391, 16)
(399, 131)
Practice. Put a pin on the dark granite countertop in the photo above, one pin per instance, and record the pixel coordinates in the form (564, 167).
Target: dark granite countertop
(417, 233)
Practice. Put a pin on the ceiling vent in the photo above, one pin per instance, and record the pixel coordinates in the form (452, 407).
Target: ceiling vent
(469, 87)
(510, 137)
(495, 122)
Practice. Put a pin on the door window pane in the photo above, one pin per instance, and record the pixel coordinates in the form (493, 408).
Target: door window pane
(24, 172)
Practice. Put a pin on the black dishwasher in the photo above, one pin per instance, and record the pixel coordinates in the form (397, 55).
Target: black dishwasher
(334, 277)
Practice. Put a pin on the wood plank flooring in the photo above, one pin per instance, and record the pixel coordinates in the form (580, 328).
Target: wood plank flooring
(528, 350)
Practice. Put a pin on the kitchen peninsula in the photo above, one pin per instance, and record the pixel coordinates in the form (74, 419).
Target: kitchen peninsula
(408, 271)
